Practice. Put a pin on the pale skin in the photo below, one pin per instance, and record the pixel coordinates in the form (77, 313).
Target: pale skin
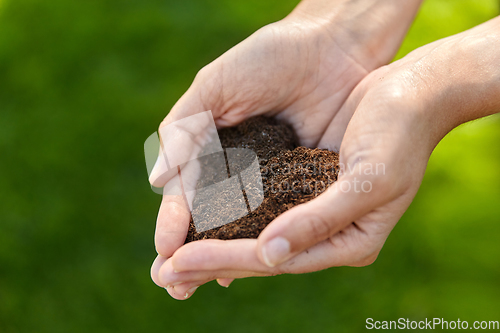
(322, 69)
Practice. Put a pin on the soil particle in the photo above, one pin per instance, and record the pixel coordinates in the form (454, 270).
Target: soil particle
(291, 175)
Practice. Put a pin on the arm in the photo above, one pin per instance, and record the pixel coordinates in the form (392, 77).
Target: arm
(466, 77)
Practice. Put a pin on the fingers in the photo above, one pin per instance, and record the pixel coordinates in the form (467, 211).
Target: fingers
(306, 225)
(346, 248)
(172, 224)
(160, 173)
(334, 134)
(210, 259)
(185, 290)
(155, 269)
(163, 274)
(350, 247)
(189, 104)
(218, 255)
(224, 282)
(182, 139)
(332, 138)
(177, 289)
(199, 262)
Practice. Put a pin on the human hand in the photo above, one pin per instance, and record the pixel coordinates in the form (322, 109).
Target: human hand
(302, 68)
(400, 112)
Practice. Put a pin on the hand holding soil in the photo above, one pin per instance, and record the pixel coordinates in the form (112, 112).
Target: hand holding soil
(384, 122)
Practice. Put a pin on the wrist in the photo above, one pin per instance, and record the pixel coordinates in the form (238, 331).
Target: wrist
(462, 77)
(370, 31)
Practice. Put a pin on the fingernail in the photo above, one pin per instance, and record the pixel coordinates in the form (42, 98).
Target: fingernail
(173, 284)
(159, 170)
(190, 291)
(276, 251)
(222, 285)
(155, 170)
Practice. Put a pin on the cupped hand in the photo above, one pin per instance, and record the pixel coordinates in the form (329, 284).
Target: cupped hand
(302, 70)
(383, 156)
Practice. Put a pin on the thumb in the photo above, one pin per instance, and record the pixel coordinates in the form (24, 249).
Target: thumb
(351, 197)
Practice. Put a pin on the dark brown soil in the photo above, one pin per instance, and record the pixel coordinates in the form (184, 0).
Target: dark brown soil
(291, 175)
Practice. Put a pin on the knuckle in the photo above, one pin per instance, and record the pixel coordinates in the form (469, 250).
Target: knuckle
(366, 260)
(203, 72)
(155, 278)
(163, 123)
(162, 278)
(162, 247)
(319, 228)
(288, 267)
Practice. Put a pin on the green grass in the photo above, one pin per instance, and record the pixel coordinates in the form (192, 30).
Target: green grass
(82, 85)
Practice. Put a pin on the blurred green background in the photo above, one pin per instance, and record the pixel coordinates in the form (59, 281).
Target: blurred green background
(82, 85)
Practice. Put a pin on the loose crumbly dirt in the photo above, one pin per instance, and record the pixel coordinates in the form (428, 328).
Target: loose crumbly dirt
(291, 175)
